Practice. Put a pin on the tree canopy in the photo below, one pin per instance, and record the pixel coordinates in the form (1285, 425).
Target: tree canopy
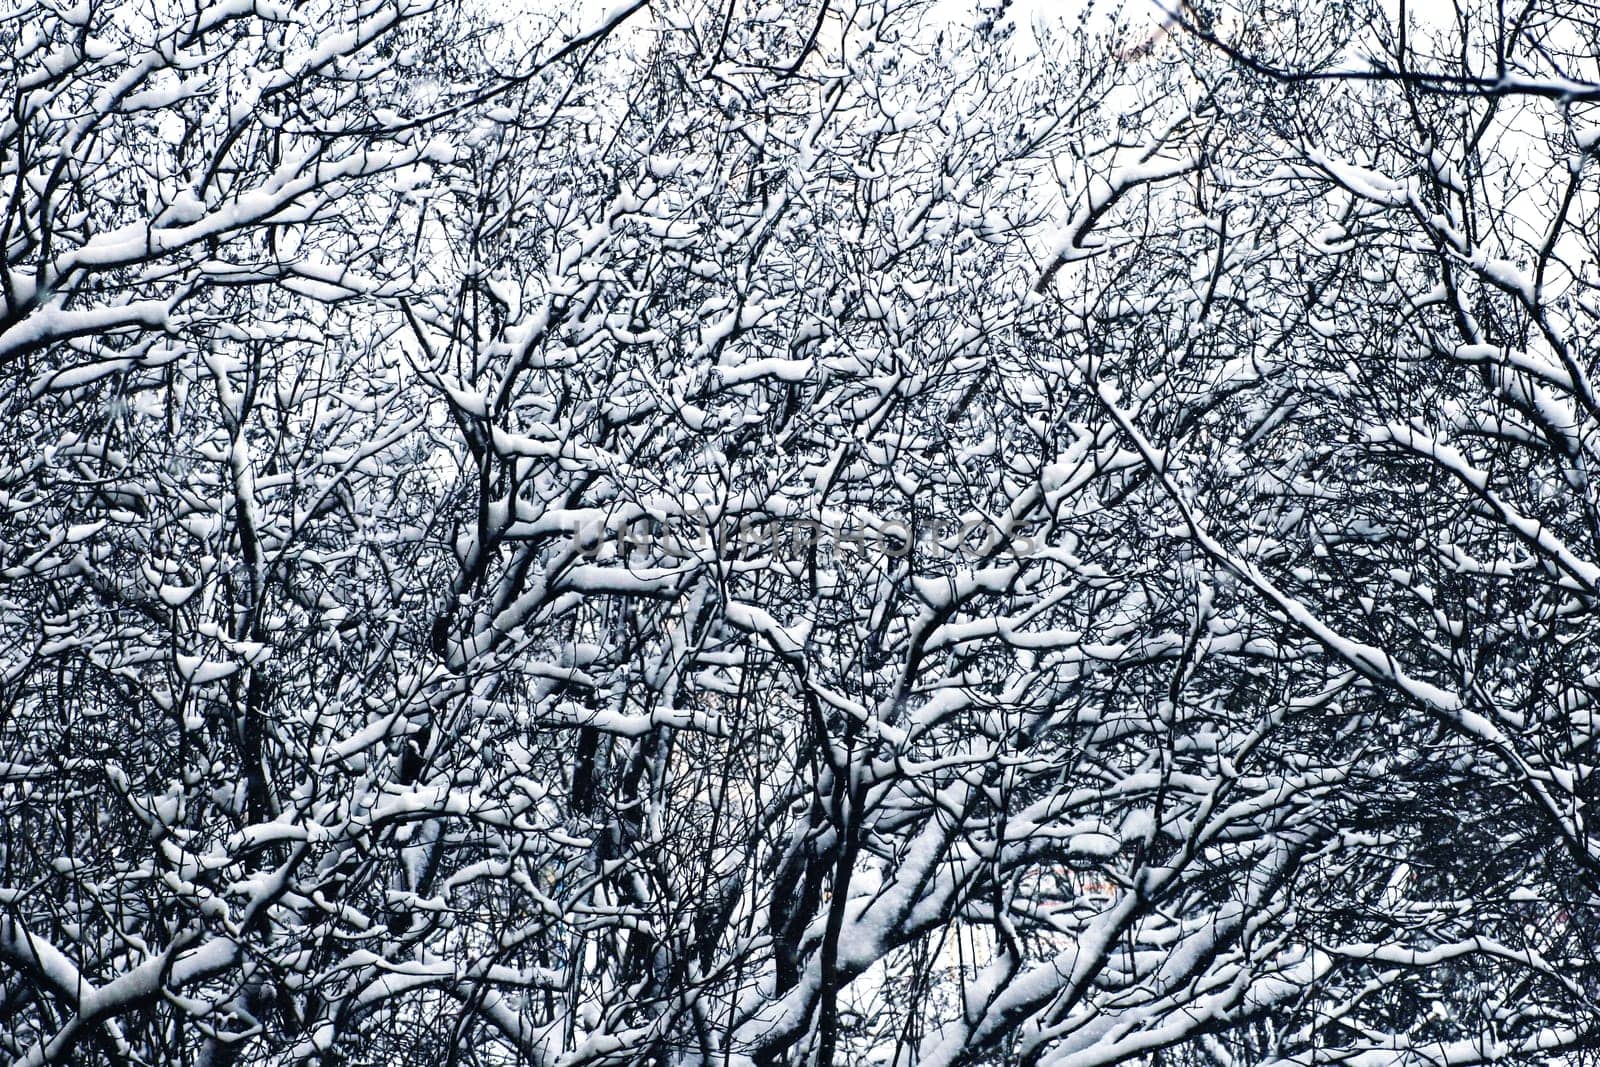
(797, 535)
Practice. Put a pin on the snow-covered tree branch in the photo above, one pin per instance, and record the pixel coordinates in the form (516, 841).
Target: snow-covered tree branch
(710, 533)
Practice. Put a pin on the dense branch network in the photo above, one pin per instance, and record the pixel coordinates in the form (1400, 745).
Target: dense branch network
(724, 535)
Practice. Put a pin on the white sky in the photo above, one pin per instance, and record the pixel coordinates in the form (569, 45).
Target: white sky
(1024, 13)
